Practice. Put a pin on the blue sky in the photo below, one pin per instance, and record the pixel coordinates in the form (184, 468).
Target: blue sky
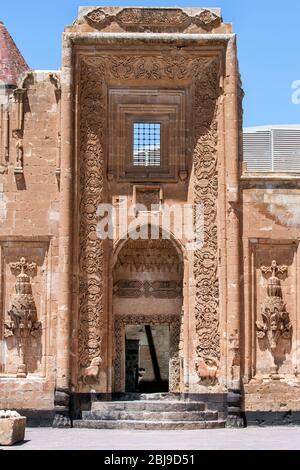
(268, 40)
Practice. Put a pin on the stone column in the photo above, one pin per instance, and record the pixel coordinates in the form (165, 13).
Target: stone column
(63, 334)
(233, 232)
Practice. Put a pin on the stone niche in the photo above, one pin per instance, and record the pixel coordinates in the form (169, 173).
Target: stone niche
(273, 330)
(24, 268)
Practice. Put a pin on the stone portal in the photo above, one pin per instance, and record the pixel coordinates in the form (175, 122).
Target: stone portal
(147, 306)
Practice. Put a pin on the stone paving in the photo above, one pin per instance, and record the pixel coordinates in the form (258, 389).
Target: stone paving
(282, 438)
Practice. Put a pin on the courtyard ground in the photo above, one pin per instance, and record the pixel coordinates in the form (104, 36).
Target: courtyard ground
(277, 438)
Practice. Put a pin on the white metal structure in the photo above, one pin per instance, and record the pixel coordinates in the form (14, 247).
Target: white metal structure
(272, 148)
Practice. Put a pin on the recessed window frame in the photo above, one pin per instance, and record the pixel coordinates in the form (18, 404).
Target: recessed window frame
(167, 106)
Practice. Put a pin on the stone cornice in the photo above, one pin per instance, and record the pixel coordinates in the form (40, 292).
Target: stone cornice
(89, 38)
(270, 177)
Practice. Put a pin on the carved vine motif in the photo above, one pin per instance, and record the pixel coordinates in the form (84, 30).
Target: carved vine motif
(157, 19)
(206, 193)
(204, 73)
(275, 324)
(23, 314)
(174, 368)
(133, 289)
(91, 195)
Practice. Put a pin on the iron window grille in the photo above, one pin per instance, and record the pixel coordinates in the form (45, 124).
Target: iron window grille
(146, 144)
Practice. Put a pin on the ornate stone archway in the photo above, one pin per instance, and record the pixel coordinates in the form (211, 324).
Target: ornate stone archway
(147, 278)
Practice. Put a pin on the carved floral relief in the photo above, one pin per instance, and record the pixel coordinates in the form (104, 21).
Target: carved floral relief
(275, 324)
(23, 322)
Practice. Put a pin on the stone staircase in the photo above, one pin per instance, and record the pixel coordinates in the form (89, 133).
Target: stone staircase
(153, 412)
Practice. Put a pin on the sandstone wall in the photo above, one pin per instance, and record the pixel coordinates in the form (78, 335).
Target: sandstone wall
(271, 231)
(29, 222)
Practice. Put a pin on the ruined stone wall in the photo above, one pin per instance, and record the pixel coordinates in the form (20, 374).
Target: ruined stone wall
(271, 232)
(29, 223)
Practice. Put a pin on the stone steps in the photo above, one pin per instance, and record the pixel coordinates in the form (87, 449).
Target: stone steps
(147, 425)
(147, 405)
(151, 415)
(154, 411)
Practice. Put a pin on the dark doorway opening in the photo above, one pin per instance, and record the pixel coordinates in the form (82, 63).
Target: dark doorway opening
(147, 358)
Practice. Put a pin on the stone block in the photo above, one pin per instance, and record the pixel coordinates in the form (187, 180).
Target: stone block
(12, 428)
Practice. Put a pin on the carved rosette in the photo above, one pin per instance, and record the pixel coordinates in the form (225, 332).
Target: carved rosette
(204, 74)
(207, 19)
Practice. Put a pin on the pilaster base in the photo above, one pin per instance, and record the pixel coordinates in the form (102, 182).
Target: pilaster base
(62, 417)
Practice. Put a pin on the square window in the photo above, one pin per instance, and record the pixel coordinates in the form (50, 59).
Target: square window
(147, 135)
(146, 144)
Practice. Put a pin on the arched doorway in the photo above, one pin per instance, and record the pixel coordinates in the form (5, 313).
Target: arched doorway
(147, 312)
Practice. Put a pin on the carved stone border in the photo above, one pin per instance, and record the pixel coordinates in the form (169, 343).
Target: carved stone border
(155, 19)
(203, 73)
(121, 321)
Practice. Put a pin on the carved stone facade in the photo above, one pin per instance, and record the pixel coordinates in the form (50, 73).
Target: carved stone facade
(230, 313)
(203, 75)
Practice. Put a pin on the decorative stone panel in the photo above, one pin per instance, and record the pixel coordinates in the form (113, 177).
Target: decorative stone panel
(28, 294)
(273, 322)
(154, 19)
(95, 74)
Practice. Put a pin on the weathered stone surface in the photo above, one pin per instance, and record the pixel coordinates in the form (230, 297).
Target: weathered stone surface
(148, 425)
(12, 428)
